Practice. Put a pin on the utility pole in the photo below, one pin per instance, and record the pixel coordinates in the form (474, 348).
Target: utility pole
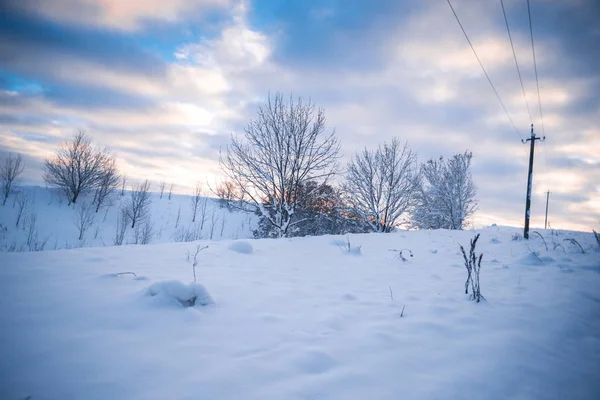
(532, 140)
(547, 199)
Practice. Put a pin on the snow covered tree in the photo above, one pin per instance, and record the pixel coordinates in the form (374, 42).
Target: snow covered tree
(284, 146)
(446, 198)
(9, 174)
(318, 212)
(77, 166)
(381, 185)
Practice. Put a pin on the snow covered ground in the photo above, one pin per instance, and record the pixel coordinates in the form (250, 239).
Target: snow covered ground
(301, 319)
(55, 223)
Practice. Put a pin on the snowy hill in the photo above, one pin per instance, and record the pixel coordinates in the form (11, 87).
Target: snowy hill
(302, 319)
(55, 223)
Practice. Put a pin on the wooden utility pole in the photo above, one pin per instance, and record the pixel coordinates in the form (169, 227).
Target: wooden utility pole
(532, 140)
(546, 220)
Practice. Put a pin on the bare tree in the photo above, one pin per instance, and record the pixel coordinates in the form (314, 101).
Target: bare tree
(138, 205)
(77, 166)
(227, 192)
(446, 198)
(178, 217)
(122, 222)
(284, 146)
(195, 200)
(9, 174)
(22, 206)
(84, 218)
(162, 189)
(123, 184)
(381, 185)
(223, 221)
(203, 211)
(171, 190)
(213, 222)
(147, 232)
(109, 181)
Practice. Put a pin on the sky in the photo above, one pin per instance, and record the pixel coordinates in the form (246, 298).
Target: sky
(165, 84)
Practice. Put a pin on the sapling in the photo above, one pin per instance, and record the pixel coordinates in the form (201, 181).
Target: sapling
(195, 260)
(84, 219)
(22, 206)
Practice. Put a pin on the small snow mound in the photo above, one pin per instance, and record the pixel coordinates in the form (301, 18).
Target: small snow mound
(532, 258)
(315, 362)
(241, 246)
(187, 295)
(353, 250)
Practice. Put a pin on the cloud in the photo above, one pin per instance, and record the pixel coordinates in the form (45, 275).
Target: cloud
(400, 69)
(117, 14)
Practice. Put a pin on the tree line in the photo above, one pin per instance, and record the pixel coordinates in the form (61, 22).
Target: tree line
(283, 166)
(283, 169)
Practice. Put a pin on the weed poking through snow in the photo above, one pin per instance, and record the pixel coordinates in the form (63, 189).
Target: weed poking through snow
(195, 260)
(575, 243)
(473, 265)
(544, 240)
(400, 253)
(348, 248)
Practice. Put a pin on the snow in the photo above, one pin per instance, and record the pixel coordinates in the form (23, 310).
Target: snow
(302, 320)
(241, 246)
(178, 293)
(56, 222)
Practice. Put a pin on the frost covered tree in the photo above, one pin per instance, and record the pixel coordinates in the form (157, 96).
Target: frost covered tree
(283, 147)
(446, 198)
(138, 206)
(77, 166)
(381, 185)
(9, 174)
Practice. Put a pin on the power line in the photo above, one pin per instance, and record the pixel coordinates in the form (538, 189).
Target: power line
(515, 57)
(535, 67)
(484, 71)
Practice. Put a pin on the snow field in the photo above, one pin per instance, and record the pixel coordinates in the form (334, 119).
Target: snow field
(171, 221)
(301, 319)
